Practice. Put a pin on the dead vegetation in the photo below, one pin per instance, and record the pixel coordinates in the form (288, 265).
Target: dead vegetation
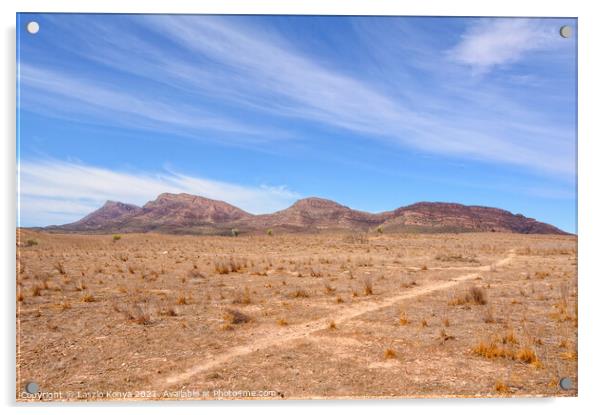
(474, 295)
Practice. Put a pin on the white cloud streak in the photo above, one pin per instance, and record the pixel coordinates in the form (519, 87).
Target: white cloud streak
(56, 192)
(214, 58)
(500, 41)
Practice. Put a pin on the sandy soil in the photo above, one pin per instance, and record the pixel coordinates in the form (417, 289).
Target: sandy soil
(295, 316)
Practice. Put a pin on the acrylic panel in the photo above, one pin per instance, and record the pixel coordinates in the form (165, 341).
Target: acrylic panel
(295, 207)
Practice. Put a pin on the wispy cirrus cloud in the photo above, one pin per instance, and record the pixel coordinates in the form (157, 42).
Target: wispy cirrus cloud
(57, 192)
(494, 42)
(264, 77)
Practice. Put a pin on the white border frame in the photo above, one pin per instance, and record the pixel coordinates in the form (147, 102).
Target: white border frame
(589, 209)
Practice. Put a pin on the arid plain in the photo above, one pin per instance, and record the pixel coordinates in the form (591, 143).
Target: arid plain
(333, 315)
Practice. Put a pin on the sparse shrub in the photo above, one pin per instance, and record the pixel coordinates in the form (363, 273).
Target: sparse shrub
(299, 293)
(181, 300)
(424, 268)
(328, 289)
(380, 229)
(509, 337)
(501, 387)
(36, 290)
(269, 232)
(475, 295)
(403, 318)
(390, 354)
(332, 325)
(195, 273)
(228, 265)
(444, 336)
(490, 350)
(569, 355)
(282, 322)
(60, 268)
(79, 285)
(20, 296)
(140, 314)
(368, 288)
(88, 298)
(488, 316)
(456, 258)
(242, 297)
(232, 316)
(357, 238)
(316, 273)
(424, 323)
(116, 238)
(527, 355)
(234, 232)
(339, 300)
(31, 242)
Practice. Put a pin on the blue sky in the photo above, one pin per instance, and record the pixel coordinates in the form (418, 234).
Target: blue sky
(259, 111)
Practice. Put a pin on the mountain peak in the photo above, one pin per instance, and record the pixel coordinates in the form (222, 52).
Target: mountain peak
(186, 213)
(317, 203)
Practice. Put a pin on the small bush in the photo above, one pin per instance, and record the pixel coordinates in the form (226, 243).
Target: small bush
(368, 288)
(501, 387)
(195, 273)
(299, 293)
(232, 316)
(60, 268)
(390, 354)
(227, 265)
(31, 242)
(88, 298)
(269, 232)
(475, 295)
(234, 232)
(140, 314)
(403, 318)
(242, 297)
(116, 238)
(36, 290)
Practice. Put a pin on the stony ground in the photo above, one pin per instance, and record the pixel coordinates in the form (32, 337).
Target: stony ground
(152, 316)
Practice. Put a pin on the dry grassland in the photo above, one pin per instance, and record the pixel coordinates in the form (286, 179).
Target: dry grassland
(327, 316)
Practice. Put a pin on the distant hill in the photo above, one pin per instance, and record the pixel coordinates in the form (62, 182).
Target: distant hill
(189, 214)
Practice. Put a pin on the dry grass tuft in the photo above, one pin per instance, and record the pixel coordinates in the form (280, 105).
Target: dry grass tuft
(227, 265)
(232, 316)
(299, 293)
(60, 267)
(139, 314)
(475, 295)
(88, 298)
(368, 288)
(526, 355)
(501, 387)
(242, 297)
(390, 354)
(403, 318)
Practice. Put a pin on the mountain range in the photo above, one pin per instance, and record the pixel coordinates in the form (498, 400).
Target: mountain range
(188, 214)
